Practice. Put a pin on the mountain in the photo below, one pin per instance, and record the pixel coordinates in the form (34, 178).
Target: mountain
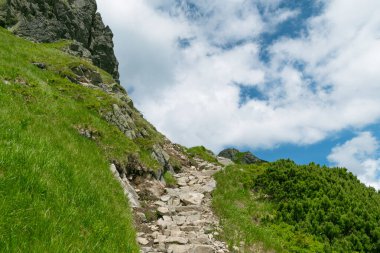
(81, 170)
(239, 157)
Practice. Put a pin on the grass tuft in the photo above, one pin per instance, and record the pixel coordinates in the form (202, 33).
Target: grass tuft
(170, 180)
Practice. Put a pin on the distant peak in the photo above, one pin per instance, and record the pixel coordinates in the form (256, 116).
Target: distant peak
(240, 157)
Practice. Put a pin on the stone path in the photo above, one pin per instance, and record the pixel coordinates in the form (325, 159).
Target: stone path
(185, 222)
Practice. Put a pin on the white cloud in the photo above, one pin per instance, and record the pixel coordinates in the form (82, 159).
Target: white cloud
(190, 95)
(361, 156)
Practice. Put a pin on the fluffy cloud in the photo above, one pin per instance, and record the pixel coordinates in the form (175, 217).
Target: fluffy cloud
(313, 85)
(361, 156)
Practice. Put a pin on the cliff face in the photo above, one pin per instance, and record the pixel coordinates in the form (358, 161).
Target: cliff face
(52, 20)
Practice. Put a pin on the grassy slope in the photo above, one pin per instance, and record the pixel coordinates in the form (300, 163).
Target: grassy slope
(285, 207)
(202, 153)
(241, 211)
(57, 193)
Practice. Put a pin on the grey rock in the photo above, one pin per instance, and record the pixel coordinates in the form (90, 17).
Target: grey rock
(176, 240)
(163, 210)
(39, 65)
(165, 198)
(203, 249)
(225, 161)
(142, 241)
(192, 198)
(129, 191)
(182, 181)
(174, 248)
(77, 49)
(122, 118)
(160, 155)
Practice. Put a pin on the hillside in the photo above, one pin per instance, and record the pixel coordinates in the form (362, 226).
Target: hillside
(284, 207)
(57, 141)
(81, 170)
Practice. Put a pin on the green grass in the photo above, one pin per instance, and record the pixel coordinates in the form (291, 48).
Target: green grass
(203, 153)
(170, 180)
(242, 211)
(57, 193)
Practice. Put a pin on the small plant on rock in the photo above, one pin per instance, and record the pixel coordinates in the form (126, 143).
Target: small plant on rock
(170, 180)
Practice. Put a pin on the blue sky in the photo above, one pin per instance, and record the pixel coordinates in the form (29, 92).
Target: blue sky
(282, 78)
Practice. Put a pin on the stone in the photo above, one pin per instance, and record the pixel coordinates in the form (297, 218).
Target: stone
(161, 238)
(201, 239)
(174, 248)
(165, 198)
(193, 218)
(188, 208)
(163, 210)
(209, 187)
(156, 188)
(174, 202)
(192, 198)
(142, 241)
(203, 249)
(141, 216)
(182, 181)
(159, 203)
(177, 233)
(39, 65)
(77, 49)
(160, 155)
(189, 228)
(179, 220)
(129, 191)
(176, 240)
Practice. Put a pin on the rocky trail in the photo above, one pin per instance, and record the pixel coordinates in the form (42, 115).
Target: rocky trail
(179, 219)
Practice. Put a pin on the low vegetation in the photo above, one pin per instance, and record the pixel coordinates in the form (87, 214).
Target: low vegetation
(170, 180)
(57, 192)
(202, 153)
(286, 207)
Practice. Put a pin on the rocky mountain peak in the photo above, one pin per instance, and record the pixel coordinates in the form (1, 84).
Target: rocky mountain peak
(240, 157)
(53, 20)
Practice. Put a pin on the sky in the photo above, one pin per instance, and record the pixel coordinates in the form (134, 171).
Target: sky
(281, 78)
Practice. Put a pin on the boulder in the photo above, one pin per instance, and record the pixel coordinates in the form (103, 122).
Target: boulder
(203, 249)
(192, 198)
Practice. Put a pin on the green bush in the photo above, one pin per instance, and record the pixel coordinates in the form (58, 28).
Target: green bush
(330, 204)
(297, 208)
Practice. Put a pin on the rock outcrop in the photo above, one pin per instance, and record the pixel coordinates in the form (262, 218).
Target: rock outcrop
(53, 20)
(240, 157)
